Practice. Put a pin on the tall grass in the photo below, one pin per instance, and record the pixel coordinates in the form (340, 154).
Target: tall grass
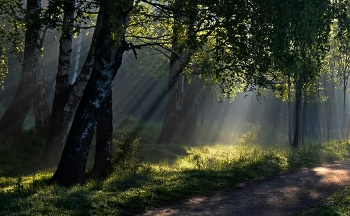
(193, 171)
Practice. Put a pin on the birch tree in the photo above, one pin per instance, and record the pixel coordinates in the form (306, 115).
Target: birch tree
(62, 89)
(67, 95)
(110, 47)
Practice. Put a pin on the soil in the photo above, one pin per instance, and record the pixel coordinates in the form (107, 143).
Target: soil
(284, 194)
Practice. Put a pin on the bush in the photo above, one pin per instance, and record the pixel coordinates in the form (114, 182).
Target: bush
(263, 135)
(126, 152)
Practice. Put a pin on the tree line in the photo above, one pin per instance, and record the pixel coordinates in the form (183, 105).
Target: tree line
(233, 44)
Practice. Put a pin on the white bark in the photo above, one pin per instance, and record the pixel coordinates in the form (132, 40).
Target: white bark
(77, 59)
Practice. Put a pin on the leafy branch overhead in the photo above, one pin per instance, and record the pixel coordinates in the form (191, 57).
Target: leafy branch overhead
(253, 43)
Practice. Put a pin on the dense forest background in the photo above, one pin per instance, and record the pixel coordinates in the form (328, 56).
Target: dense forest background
(243, 112)
(195, 72)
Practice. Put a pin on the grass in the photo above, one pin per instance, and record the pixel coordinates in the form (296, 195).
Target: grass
(190, 171)
(22, 157)
(338, 205)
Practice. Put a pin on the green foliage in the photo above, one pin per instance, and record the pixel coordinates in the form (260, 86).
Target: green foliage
(251, 136)
(198, 172)
(263, 135)
(126, 151)
(150, 62)
(11, 34)
(165, 153)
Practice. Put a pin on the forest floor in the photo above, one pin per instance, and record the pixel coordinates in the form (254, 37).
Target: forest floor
(283, 194)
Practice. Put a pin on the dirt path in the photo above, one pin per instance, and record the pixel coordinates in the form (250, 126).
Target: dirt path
(281, 195)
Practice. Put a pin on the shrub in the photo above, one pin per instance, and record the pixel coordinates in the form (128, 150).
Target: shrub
(263, 135)
(126, 152)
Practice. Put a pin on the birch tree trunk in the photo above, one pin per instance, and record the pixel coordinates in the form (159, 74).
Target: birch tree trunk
(77, 59)
(109, 52)
(15, 114)
(58, 133)
(62, 89)
(104, 131)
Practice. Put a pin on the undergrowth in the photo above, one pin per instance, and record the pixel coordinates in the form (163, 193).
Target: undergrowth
(193, 171)
(23, 156)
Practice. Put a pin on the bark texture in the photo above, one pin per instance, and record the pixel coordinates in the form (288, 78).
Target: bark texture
(171, 131)
(172, 118)
(109, 52)
(62, 90)
(41, 107)
(189, 113)
(289, 107)
(103, 153)
(58, 133)
(13, 118)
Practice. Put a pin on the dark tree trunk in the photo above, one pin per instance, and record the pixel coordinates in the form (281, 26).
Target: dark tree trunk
(318, 122)
(210, 114)
(343, 126)
(290, 139)
(71, 168)
(348, 129)
(298, 114)
(330, 105)
(13, 118)
(172, 118)
(41, 107)
(171, 128)
(103, 154)
(303, 116)
(189, 112)
(58, 132)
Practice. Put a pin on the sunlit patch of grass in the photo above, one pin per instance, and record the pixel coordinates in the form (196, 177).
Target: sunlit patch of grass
(156, 153)
(192, 171)
(24, 183)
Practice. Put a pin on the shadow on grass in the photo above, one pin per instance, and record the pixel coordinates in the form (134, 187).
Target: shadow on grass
(149, 185)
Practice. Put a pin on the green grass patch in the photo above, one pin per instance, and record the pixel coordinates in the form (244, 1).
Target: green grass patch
(191, 171)
(23, 157)
(337, 204)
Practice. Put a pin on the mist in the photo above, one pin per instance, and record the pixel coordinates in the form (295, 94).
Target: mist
(140, 94)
